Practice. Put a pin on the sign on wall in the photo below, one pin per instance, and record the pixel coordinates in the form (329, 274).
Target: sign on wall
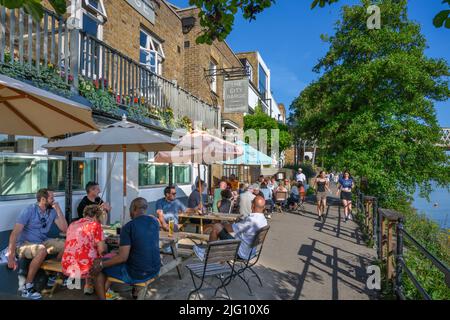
(145, 8)
(236, 96)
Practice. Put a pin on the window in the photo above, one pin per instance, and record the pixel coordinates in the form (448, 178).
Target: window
(262, 82)
(90, 25)
(182, 174)
(213, 76)
(24, 175)
(93, 15)
(151, 174)
(151, 53)
(17, 144)
(95, 7)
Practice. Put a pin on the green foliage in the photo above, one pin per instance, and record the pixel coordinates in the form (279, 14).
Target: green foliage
(217, 16)
(441, 19)
(261, 120)
(372, 109)
(46, 77)
(100, 99)
(34, 7)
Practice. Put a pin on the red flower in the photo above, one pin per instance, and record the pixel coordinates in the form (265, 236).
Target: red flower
(96, 84)
(136, 100)
(118, 98)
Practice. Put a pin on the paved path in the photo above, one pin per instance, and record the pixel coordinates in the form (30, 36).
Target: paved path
(303, 258)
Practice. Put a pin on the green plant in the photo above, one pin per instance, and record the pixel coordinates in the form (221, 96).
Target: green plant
(184, 122)
(46, 77)
(100, 99)
(138, 112)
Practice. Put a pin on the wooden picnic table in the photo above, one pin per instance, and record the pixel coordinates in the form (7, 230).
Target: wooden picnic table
(210, 216)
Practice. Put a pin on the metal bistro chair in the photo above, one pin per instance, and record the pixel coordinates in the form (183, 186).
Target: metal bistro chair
(220, 257)
(252, 260)
(280, 200)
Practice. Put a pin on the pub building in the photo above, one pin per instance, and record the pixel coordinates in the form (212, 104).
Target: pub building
(144, 55)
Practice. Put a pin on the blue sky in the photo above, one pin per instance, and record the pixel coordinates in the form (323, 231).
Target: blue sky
(287, 36)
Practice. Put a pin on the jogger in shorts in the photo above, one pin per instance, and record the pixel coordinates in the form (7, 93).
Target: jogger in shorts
(321, 185)
(29, 237)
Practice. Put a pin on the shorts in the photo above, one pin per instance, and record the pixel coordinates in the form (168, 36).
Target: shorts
(225, 235)
(346, 196)
(30, 250)
(321, 196)
(120, 272)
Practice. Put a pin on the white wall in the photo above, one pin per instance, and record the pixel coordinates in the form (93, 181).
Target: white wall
(9, 210)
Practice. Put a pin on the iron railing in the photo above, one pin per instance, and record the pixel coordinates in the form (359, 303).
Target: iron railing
(76, 54)
(386, 228)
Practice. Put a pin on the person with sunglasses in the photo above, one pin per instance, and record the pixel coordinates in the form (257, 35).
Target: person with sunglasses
(29, 237)
(169, 207)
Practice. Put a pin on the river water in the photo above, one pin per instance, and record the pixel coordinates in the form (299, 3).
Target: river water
(438, 208)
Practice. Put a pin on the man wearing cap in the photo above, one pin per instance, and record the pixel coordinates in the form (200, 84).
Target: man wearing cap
(300, 176)
(246, 198)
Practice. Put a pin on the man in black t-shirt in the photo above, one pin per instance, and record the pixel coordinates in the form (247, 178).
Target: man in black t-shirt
(92, 192)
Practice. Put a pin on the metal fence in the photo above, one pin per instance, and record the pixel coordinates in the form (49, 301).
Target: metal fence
(74, 54)
(386, 228)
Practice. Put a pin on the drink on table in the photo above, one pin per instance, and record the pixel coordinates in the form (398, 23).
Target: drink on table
(171, 226)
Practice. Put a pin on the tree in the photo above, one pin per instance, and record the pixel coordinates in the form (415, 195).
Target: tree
(34, 7)
(372, 109)
(261, 120)
(441, 19)
(217, 16)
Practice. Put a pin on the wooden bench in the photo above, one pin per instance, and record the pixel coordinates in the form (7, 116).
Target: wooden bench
(144, 285)
(53, 265)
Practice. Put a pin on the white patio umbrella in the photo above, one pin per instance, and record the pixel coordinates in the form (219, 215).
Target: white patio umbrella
(30, 111)
(122, 137)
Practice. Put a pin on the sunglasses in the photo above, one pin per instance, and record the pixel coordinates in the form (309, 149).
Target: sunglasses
(44, 222)
(173, 193)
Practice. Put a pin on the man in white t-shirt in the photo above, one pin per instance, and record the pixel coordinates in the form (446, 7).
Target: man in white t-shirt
(300, 176)
(244, 230)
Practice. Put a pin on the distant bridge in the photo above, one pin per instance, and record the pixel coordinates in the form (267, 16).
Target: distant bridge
(446, 138)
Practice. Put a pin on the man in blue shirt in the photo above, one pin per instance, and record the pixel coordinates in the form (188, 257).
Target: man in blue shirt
(138, 259)
(169, 207)
(29, 237)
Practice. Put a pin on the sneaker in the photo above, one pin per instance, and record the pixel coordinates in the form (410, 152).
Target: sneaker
(350, 217)
(30, 293)
(199, 252)
(111, 295)
(88, 289)
(51, 281)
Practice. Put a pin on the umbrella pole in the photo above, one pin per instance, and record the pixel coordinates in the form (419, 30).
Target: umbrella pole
(199, 185)
(124, 155)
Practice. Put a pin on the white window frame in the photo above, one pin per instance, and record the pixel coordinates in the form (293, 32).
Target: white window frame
(152, 47)
(102, 10)
(213, 76)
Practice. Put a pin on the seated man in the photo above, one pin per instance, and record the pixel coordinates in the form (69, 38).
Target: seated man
(195, 202)
(245, 201)
(138, 259)
(92, 197)
(217, 195)
(244, 230)
(29, 237)
(169, 207)
(225, 204)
